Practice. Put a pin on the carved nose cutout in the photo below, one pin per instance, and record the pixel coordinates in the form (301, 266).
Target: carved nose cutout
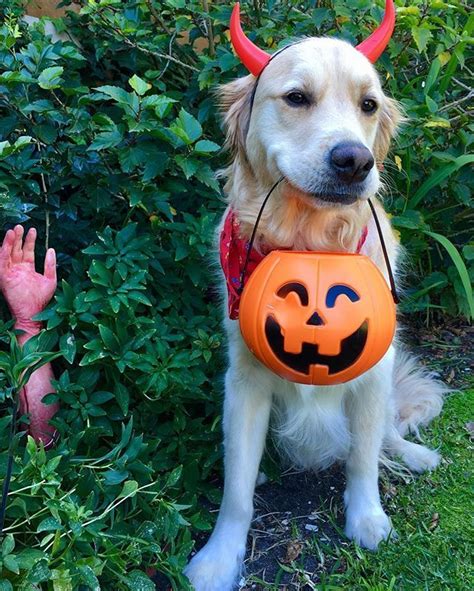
(315, 320)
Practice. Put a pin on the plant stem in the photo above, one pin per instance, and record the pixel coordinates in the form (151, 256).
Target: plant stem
(156, 15)
(257, 12)
(210, 30)
(8, 474)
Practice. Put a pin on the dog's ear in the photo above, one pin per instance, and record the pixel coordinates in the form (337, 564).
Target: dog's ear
(391, 116)
(234, 100)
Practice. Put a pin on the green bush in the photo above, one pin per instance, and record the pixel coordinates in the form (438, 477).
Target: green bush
(109, 148)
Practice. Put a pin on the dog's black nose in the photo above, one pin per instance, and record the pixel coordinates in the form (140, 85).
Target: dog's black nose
(352, 162)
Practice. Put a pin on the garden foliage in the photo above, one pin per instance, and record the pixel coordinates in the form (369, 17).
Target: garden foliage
(109, 147)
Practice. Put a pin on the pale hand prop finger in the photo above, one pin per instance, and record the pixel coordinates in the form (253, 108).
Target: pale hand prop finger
(17, 252)
(5, 253)
(26, 291)
(29, 247)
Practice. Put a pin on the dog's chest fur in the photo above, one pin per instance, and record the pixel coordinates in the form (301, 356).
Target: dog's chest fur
(310, 424)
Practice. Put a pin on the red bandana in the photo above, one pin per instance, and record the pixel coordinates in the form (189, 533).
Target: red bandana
(233, 251)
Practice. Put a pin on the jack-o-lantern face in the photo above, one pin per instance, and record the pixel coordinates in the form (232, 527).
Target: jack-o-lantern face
(317, 318)
(351, 346)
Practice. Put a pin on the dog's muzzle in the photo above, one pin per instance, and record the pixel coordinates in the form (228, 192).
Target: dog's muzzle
(351, 162)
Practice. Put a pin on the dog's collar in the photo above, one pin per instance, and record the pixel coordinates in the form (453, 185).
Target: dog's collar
(233, 253)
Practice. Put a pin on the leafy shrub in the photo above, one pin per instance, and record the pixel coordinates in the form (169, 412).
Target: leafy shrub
(108, 148)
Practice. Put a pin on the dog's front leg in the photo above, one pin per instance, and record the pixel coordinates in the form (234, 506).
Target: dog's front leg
(366, 521)
(246, 414)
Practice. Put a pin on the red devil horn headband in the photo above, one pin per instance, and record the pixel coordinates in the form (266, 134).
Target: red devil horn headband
(375, 44)
(255, 59)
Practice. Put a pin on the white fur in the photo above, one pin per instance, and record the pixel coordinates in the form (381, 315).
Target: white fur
(419, 397)
(309, 425)
(358, 422)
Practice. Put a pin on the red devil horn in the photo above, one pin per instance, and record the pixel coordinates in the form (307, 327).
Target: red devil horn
(374, 45)
(253, 58)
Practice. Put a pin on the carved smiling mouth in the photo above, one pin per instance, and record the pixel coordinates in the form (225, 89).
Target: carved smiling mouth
(351, 349)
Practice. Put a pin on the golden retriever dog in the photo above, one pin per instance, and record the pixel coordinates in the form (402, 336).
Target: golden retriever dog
(319, 118)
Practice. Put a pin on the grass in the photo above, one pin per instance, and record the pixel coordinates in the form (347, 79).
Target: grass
(431, 513)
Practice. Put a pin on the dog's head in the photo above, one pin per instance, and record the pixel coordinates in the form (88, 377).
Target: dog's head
(318, 117)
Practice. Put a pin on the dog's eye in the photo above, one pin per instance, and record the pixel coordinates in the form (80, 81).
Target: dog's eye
(369, 106)
(296, 99)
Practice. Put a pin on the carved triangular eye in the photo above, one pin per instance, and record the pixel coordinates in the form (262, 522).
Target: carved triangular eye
(315, 320)
(298, 288)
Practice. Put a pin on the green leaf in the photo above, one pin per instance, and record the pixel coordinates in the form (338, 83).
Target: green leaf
(61, 578)
(154, 166)
(139, 297)
(108, 337)
(40, 572)
(5, 585)
(188, 165)
(101, 397)
(438, 177)
(127, 100)
(10, 76)
(88, 577)
(174, 476)
(182, 251)
(431, 104)
(468, 252)
(129, 489)
(115, 476)
(106, 139)
(138, 581)
(49, 524)
(206, 146)
(321, 15)
(5, 148)
(139, 85)
(438, 122)
(8, 544)
(207, 176)
(122, 396)
(50, 78)
(190, 124)
(10, 562)
(28, 557)
(410, 218)
(67, 344)
(460, 266)
(117, 94)
(46, 133)
(23, 140)
(421, 35)
(163, 106)
(432, 75)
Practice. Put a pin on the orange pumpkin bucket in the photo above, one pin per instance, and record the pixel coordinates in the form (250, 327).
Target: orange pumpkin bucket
(317, 318)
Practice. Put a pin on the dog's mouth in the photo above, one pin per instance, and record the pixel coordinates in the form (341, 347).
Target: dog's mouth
(337, 198)
(329, 194)
(351, 349)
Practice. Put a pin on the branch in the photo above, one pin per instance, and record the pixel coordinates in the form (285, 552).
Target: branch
(156, 15)
(157, 54)
(210, 30)
(458, 102)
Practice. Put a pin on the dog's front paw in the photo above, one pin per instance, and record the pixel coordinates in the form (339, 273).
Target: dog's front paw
(215, 568)
(368, 527)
